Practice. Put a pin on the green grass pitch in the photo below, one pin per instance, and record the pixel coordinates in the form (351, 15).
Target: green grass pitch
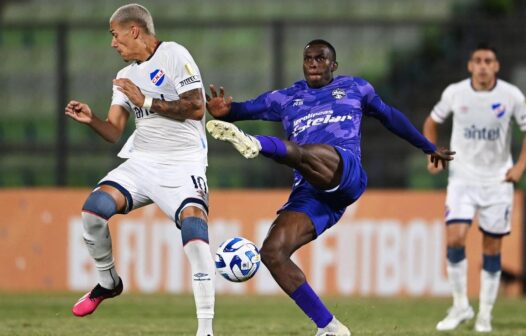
(139, 314)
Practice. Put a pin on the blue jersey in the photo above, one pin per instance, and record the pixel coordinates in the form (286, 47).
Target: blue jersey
(329, 115)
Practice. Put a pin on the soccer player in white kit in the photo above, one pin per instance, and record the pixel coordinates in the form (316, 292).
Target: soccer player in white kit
(480, 178)
(166, 156)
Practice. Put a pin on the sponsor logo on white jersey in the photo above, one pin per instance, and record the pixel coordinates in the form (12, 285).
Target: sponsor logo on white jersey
(189, 80)
(484, 133)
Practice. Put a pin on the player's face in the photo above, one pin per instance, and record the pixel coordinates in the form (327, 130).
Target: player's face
(123, 40)
(318, 65)
(483, 66)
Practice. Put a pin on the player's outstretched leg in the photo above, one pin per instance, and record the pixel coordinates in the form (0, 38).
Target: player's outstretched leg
(246, 144)
(91, 300)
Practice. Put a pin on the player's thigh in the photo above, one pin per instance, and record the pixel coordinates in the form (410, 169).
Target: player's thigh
(461, 207)
(129, 179)
(461, 203)
(496, 209)
(320, 165)
(181, 189)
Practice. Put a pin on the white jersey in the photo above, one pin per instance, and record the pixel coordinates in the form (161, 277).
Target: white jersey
(481, 134)
(168, 73)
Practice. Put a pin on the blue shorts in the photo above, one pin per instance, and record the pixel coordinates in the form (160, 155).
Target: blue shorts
(326, 207)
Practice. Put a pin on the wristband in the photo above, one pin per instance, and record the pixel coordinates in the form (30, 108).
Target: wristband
(147, 102)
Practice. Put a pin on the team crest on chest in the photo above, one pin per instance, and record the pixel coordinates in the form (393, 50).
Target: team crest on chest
(338, 93)
(157, 77)
(499, 109)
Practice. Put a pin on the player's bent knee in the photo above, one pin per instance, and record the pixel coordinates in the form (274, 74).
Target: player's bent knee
(271, 255)
(194, 228)
(101, 204)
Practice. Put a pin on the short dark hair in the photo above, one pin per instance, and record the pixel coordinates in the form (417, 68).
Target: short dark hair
(325, 43)
(484, 46)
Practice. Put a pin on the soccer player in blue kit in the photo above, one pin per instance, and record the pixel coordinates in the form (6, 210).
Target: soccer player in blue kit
(321, 116)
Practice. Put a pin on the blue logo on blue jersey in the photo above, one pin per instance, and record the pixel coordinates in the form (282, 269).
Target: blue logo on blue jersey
(157, 77)
(499, 109)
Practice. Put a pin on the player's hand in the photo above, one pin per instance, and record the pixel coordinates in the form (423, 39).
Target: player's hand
(79, 111)
(431, 167)
(441, 156)
(216, 104)
(514, 174)
(131, 91)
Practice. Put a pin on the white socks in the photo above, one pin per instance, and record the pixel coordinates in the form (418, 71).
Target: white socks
(98, 240)
(489, 288)
(203, 278)
(458, 279)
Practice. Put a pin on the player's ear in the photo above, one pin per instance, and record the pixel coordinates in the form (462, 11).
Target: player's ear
(135, 31)
(334, 66)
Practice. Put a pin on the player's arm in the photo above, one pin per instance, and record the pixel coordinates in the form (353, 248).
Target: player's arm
(110, 129)
(514, 174)
(190, 104)
(261, 108)
(397, 122)
(430, 131)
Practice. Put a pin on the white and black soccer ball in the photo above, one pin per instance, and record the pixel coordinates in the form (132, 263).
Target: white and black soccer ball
(237, 259)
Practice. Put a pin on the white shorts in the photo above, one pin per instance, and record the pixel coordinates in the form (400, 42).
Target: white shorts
(494, 205)
(171, 187)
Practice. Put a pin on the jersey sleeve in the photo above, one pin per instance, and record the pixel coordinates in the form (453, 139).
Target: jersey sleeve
(267, 106)
(119, 98)
(393, 119)
(519, 110)
(444, 107)
(183, 70)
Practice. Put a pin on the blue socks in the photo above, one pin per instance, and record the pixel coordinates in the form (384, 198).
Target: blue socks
(311, 305)
(456, 254)
(491, 263)
(272, 147)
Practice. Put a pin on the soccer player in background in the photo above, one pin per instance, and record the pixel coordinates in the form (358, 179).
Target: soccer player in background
(321, 116)
(166, 156)
(480, 179)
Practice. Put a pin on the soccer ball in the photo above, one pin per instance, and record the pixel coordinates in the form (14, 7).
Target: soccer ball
(237, 259)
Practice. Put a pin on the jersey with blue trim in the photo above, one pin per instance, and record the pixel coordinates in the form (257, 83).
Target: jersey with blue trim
(168, 73)
(330, 115)
(481, 134)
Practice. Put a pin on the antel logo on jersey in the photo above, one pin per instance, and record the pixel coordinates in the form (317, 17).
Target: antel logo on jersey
(157, 77)
(338, 93)
(484, 133)
(499, 109)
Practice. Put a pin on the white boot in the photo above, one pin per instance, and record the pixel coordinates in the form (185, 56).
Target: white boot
(334, 328)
